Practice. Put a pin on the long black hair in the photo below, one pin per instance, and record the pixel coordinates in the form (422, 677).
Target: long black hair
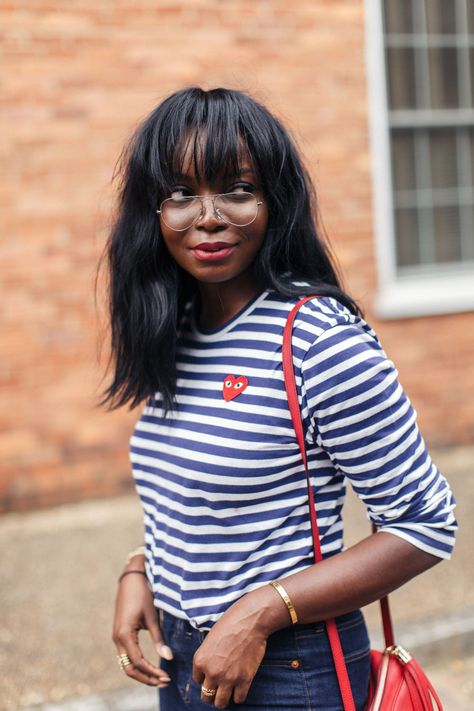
(147, 289)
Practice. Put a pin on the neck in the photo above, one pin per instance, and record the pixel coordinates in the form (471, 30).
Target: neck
(220, 302)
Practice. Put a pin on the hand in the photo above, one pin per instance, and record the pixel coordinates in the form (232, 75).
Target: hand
(135, 611)
(231, 653)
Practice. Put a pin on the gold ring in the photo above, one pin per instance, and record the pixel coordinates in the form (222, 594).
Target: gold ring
(123, 660)
(208, 692)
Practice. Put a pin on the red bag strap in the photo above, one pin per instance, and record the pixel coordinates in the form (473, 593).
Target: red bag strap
(292, 395)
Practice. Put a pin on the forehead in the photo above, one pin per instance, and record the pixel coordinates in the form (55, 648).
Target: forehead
(196, 155)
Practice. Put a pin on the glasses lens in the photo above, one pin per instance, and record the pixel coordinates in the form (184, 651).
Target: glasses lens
(179, 213)
(238, 209)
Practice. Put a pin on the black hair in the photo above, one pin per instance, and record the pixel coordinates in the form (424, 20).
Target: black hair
(148, 291)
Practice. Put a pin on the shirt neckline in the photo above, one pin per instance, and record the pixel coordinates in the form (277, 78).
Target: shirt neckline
(240, 315)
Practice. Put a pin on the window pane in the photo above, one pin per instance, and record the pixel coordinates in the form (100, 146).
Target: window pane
(441, 16)
(470, 239)
(408, 247)
(398, 16)
(470, 16)
(443, 77)
(471, 64)
(468, 242)
(444, 169)
(471, 141)
(403, 157)
(447, 234)
(401, 77)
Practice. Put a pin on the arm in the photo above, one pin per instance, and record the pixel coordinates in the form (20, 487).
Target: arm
(233, 650)
(360, 416)
(356, 577)
(135, 611)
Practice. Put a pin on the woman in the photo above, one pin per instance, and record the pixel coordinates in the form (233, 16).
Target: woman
(214, 243)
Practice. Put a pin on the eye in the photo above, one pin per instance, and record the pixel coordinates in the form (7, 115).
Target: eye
(180, 191)
(241, 187)
(238, 386)
(228, 383)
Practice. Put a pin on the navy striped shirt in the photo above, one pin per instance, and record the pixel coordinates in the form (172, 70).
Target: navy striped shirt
(221, 480)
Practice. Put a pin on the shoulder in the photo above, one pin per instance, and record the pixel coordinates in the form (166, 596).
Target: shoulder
(326, 306)
(321, 318)
(328, 336)
(322, 313)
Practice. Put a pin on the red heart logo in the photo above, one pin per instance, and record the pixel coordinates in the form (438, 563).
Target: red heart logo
(233, 386)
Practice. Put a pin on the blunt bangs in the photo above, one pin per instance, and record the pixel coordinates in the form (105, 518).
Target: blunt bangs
(212, 132)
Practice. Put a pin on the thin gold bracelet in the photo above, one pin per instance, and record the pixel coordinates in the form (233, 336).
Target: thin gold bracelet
(286, 599)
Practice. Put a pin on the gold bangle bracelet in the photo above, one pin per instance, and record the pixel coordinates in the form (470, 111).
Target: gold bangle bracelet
(286, 599)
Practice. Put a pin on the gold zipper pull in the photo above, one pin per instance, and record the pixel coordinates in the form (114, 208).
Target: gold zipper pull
(400, 653)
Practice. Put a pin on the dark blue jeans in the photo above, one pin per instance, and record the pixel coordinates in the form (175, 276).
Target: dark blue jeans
(297, 671)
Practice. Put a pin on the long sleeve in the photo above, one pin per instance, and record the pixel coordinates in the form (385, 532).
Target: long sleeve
(360, 415)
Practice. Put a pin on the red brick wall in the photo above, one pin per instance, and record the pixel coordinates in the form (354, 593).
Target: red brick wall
(77, 77)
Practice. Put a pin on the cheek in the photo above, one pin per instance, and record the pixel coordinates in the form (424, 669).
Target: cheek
(256, 231)
(172, 241)
(262, 219)
(259, 229)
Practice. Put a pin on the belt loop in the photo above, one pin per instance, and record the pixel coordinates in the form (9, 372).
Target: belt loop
(179, 626)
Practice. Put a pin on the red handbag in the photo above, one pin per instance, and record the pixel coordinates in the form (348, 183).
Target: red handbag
(397, 682)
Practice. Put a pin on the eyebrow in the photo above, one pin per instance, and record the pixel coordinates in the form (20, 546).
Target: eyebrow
(245, 170)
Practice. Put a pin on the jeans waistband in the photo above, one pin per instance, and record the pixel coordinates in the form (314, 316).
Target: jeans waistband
(184, 627)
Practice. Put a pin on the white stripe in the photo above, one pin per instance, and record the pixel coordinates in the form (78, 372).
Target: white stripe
(373, 464)
(371, 430)
(184, 491)
(365, 412)
(162, 467)
(211, 437)
(393, 437)
(215, 459)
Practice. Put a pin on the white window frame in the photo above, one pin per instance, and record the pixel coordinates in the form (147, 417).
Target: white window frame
(400, 296)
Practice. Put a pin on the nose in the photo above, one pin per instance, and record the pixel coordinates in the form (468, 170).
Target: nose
(209, 216)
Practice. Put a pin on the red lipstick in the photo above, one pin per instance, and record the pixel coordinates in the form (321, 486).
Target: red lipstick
(212, 251)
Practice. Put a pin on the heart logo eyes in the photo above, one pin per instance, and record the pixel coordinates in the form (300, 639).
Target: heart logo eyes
(233, 386)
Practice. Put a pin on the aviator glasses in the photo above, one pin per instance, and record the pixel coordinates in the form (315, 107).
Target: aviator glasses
(180, 213)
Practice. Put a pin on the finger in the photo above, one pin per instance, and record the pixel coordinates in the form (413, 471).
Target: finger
(153, 626)
(223, 696)
(198, 675)
(138, 661)
(133, 673)
(165, 651)
(151, 679)
(240, 693)
(208, 685)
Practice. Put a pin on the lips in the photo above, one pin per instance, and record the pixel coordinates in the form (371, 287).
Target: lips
(212, 246)
(212, 251)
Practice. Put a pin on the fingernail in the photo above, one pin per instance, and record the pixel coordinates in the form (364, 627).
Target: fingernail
(165, 652)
